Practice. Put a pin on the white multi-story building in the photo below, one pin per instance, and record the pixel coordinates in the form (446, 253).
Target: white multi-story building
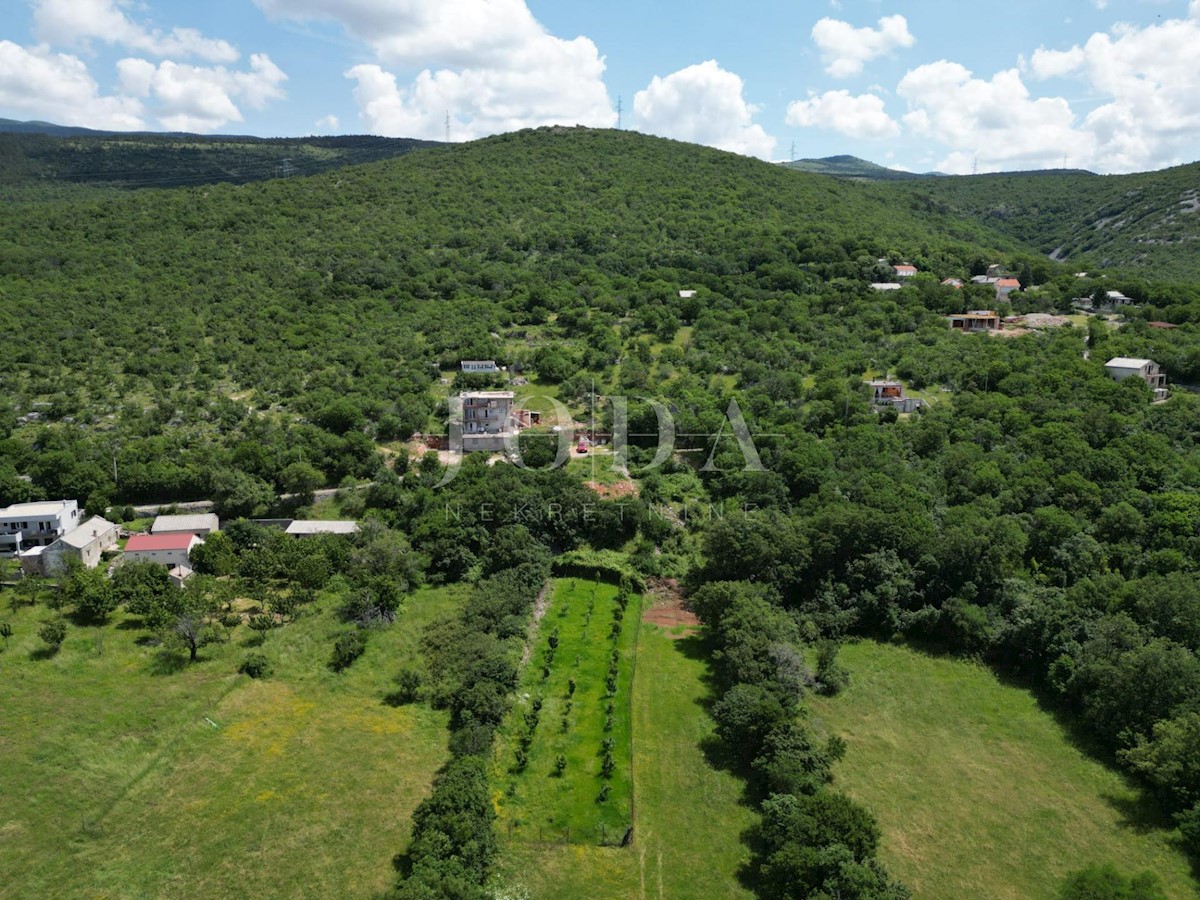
(1122, 367)
(27, 525)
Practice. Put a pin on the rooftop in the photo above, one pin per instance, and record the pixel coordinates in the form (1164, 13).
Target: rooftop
(87, 532)
(180, 541)
(1126, 362)
(322, 526)
(38, 508)
(488, 395)
(196, 522)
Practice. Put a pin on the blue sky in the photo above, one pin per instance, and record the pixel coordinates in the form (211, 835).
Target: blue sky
(1110, 85)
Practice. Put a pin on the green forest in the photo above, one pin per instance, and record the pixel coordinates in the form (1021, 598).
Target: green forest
(239, 342)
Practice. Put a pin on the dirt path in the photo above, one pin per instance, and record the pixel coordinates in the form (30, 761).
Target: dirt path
(540, 606)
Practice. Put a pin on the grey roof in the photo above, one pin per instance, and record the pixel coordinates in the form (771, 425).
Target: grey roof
(88, 532)
(322, 526)
(1125, 362)
(195, 522)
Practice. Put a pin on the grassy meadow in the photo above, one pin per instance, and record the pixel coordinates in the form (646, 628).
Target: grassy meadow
(128, 773)
(689, 815)
(979, 791)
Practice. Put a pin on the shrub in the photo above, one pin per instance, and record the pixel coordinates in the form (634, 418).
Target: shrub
(256, 665)
(560, 765)
(603, 795)
(408, 686)
(53, 632)
(608, 765)
(347, 649)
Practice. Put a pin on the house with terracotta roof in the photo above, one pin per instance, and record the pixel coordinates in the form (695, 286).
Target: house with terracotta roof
(170, 550)
(904, 270)
(891, 394)
(1005, 286)
(955, 283)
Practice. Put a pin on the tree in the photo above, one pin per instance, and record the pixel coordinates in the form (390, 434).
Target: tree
(188, 616)
(53, 632)
(90, 591)
(237, 494)
(6, 632)
(301, 479)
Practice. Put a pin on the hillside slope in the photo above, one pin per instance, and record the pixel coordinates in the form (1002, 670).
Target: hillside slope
(77, 156)
(1149, 222)
(850, 167)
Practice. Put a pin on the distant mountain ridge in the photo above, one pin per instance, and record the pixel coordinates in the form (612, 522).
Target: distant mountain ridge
(847, 166)
(41, 152)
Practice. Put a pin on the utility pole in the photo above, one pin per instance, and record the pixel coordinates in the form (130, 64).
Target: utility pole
(793, 151)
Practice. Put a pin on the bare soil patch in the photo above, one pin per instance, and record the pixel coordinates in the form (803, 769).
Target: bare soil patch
(668, 609)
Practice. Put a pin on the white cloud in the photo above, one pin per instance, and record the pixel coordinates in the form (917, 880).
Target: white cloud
(46, 85)
(992, 124)
(861, 117)
(198, 98)
(1151, 85)
(703, 104)
(328, 123)
(74, 22)
(846, 49)
(489, 63)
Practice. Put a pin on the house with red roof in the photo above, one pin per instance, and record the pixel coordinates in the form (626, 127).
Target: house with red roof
(170, 550)
(1005, 286)
(904, 270)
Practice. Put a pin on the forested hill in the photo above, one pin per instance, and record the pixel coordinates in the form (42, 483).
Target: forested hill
(1149, 222)
(33, 154)
(851, 167)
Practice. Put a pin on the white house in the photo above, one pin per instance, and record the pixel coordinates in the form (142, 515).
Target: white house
(1122, 367)
(27, 525)
(686, 295)
(904, 270)
(487, 366)
(487, 419)
(170, 550)
(202, 524)
(302, 527)
(85, 544)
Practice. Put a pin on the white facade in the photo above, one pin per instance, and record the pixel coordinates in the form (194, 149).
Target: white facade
(480, 365)
(27, 525)
(177, 554)
(1122, 367)
(86, 544)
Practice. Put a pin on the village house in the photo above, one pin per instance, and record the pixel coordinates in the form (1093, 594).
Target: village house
(1005, 286)
(487, 420)
(202, 524)
(40, 524)
(480, 366)
(85, 545)
(169, 550)
(904, 270)
(686, 295)
(887, 394)
(975, 320)
(1122, 367)
(1116, 299)
(955, 283)
(887, 286)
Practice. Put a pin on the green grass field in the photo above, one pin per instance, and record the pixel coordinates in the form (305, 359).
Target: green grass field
(979, 791)
(537, 803)
(116, 785)
(689, 816)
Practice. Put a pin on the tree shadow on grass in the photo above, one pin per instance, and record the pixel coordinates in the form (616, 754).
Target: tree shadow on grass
(43, 653)
(167, 662)
(133, 623)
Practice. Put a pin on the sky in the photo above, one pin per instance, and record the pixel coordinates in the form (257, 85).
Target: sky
(924, 85)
